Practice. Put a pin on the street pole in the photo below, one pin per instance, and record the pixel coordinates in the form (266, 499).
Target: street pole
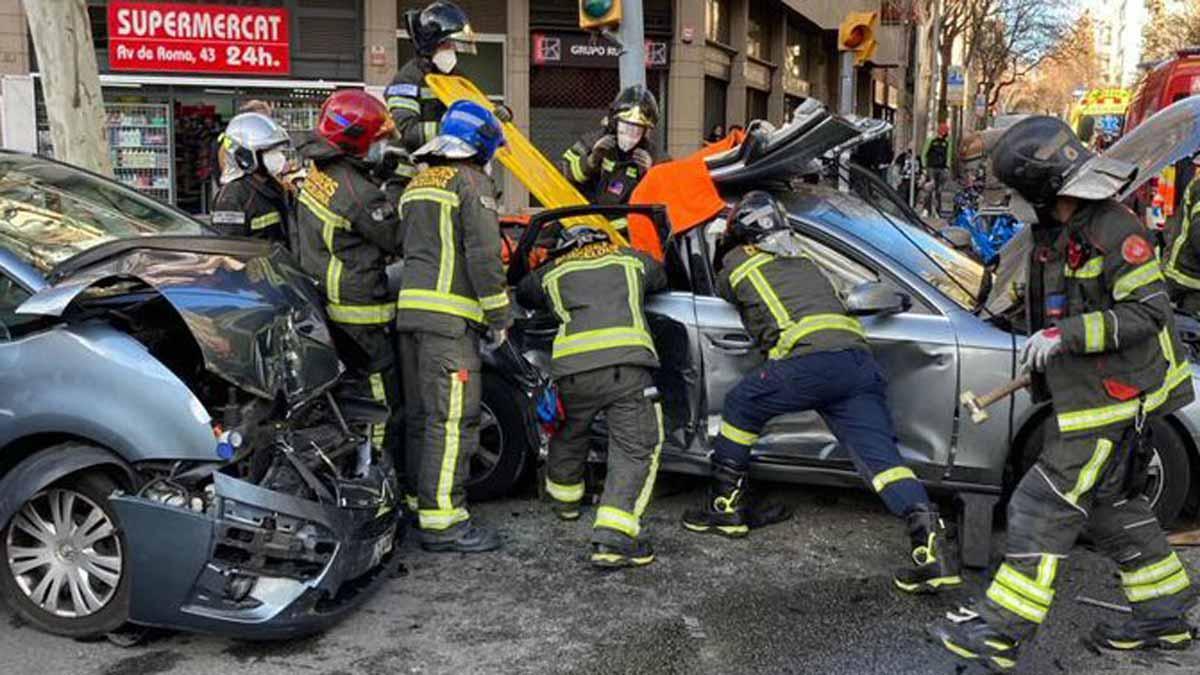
(848, 90)
(632, 62)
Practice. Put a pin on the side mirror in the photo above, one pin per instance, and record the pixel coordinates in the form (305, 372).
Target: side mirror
(872, 297)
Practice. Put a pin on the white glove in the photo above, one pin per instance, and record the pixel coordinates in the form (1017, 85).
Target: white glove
(494, 338)
(606, 144)
(643, 159)
(1039, 348)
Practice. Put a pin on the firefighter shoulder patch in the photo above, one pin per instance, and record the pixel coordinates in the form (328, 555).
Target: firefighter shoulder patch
(1136, 250)
(433, 177)
(228, 218)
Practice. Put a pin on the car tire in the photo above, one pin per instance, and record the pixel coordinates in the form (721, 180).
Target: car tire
(504, 449)
(1170, 470)
(88, 494)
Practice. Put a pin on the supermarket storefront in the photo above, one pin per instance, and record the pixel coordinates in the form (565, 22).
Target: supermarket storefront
(174, 74)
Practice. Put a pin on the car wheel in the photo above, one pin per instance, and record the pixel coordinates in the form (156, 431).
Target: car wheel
(504, 448)
(63, 559)
(1170, 474)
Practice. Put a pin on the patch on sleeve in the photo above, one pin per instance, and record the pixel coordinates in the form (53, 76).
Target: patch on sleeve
(1136, 250)
(489, 203)
(409, 90)
(228, 218)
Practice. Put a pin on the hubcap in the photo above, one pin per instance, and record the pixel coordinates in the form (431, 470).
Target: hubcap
(64, 553)
(1155, 481)
(491, 444)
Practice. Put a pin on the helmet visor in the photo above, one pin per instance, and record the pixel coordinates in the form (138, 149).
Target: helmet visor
(463, 41)
(635, 115)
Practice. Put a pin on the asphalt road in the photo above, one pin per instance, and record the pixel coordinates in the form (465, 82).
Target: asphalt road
(809, 596)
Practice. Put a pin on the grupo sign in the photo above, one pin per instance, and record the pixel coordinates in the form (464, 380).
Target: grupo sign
(157, 36)
(576, 50)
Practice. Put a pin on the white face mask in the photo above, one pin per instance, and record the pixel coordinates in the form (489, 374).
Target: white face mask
(445, 59)
(274, 161)
(629, 135)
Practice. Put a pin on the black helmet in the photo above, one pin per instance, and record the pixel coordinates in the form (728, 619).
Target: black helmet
(754, 217)
(1036, 156)
(573, 238)
(635, 105)
(440, 22)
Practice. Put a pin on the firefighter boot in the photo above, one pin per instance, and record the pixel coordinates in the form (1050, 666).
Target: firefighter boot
(934, 556)
(1144, 634)
(471, 539)
(968, 636)
(635, 553)
(724, 509)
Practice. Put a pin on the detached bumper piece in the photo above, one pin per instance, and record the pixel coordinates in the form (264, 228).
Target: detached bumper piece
(259, 564)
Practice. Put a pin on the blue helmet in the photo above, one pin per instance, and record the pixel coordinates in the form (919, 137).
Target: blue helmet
(468, 129)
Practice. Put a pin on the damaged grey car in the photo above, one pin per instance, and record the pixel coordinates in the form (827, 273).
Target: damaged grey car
(173, 451)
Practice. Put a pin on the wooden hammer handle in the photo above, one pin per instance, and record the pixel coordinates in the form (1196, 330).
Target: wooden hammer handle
(1003, 390)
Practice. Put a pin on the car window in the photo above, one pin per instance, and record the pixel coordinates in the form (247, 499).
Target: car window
(50, 211)
(12, 295)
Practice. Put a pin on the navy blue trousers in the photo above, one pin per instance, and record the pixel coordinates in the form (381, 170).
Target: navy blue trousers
(849, 390)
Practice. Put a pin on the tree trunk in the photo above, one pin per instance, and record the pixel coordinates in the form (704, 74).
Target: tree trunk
(943, 112)
(66, 55)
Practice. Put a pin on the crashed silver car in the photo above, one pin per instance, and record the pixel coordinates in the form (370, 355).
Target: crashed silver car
(172, 452)
(940, 323)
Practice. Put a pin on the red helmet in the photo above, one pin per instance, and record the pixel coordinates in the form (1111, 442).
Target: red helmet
(352, 119)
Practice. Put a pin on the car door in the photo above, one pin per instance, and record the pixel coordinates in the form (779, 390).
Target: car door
(917, 349)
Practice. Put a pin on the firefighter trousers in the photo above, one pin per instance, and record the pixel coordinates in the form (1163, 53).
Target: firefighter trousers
(849, 390)
(627, 397)
(442, 390)
(1080, 483)
(372, 373)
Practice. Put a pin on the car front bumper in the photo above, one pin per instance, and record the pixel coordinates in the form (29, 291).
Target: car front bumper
(258, 564)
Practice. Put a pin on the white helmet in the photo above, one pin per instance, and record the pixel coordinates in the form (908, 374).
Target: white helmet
(246, 138)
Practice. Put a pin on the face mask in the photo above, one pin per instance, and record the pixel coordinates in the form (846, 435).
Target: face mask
(629, 135)
(445, 59)
(274, 161)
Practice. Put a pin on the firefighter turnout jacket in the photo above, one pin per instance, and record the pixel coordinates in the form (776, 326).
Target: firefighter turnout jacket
(612, 181)
(453, 275)
(787, 304)
(1099, 281)
(348, 229)
(415, 109)
(1183, 259)
(254, 205)
(597, 293)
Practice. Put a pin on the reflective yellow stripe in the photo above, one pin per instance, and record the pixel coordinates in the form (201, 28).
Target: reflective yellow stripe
(442, 303)
(739, 436)
(892, 475)
(616, 519)
(1091, 471)
(604, 338)
(749, 265)
(1154, 572)
(1167, 343)
(1047, 570)
(1026, 587)
(490, 302)
(323, 213)
(430, 130)
(1016, 604)
(332, 222)
(770, 298)
(403, 102)
(576, 265)
(445, 278)
(811, 324)
(379, 393)
(441, 519)
(634, 298)
(643, 500)
(1167, 587)
(452, 430)
(1182, 279)
(1093, 332)
(430, 194)
(361, 314)
(266, 220)
(575, 164)
(608, 165)
(1090, 269)
(564, 493)
(1173, 270)
(1141, 276)
(1092, 418)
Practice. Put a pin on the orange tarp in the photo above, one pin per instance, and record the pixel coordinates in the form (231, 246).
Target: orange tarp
(686, 189)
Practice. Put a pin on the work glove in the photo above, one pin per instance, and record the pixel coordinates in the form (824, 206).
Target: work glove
(503, 113)
(606, 144)
(643, 159)
(1039, 348)
(494, 338)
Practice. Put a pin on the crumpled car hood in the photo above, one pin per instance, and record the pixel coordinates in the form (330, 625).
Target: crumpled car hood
(255, 316)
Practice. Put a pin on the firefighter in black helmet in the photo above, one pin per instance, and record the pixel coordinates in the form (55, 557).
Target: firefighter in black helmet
(1103, 348)
(608, 163)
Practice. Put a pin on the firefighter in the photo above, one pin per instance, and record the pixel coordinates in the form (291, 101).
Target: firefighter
(1183, 259)
(252, 201)
(453, 293)
(347, 231)
(607, 164)
(602, 362)
(817, 359)
(1103, 349)
(438, 34)
(936, 160)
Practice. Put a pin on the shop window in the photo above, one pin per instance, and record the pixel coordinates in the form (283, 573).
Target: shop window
(485, 67)
(716, 21)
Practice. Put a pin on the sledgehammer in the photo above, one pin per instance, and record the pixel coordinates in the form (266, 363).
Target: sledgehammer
(978, 404)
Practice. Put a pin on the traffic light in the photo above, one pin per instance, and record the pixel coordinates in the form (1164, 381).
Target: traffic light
(857, 34)
(599, 14)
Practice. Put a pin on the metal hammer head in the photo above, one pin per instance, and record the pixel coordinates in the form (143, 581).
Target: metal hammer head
(971, 403)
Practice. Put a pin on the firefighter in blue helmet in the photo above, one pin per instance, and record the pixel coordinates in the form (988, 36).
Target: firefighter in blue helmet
(453, 296)
(817, 359)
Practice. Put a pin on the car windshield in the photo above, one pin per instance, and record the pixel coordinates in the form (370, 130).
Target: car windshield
(50, 211)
